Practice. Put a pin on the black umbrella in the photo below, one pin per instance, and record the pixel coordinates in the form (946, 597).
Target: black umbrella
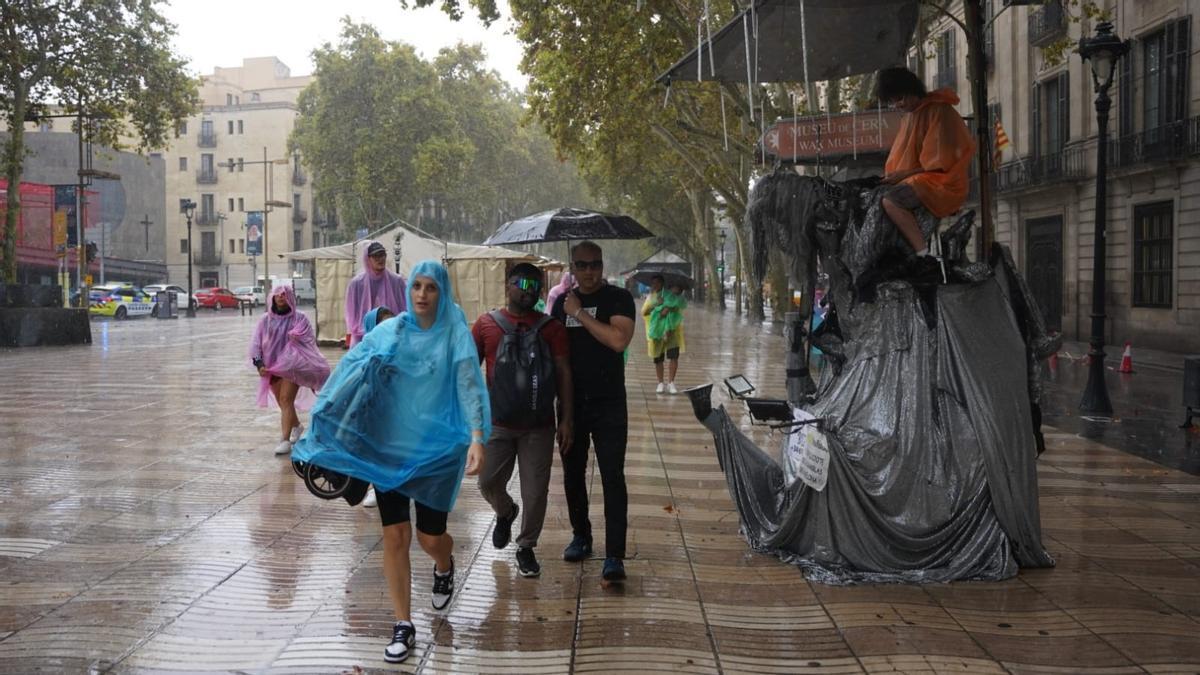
(567, 225)
(843, 37)
(671, 278)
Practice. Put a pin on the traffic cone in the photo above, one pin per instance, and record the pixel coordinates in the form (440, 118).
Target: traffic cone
(1126, 360)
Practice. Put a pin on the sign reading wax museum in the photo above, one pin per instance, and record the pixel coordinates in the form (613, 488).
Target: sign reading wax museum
(254, 232)
(806, 139)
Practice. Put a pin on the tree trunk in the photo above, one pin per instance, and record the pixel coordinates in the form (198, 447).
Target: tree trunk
(14, 156)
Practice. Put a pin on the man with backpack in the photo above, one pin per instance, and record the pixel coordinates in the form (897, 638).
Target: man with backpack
(528, 372)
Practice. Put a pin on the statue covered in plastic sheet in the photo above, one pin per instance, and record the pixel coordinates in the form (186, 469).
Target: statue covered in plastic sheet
(927, 425)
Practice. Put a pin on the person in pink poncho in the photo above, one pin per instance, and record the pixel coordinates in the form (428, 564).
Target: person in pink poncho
(375, 286)
(565, 283)
(290, 367)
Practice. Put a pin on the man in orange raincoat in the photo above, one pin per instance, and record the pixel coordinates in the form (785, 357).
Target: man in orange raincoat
(927, 166)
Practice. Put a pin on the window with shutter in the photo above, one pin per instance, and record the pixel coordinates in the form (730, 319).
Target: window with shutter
(1175, 71)
(1153, 259)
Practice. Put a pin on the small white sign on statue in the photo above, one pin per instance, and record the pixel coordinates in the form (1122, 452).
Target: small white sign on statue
(806, 453)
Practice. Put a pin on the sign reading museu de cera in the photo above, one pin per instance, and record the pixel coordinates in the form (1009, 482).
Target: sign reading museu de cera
(864, 137)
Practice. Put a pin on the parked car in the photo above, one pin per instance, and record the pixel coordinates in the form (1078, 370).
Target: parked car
(178, 291)
(215, 298)
(251, 294)
(306, 292)
(119, 302)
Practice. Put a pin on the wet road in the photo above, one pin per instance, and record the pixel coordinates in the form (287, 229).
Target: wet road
(146, 527)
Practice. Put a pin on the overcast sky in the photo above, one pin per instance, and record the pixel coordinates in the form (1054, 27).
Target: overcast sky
(214, 33)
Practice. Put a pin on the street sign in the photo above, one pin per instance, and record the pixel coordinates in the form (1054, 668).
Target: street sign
(87, 280)
(804, 140)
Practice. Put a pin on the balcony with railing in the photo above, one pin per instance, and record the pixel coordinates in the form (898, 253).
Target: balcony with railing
(207, 218)
(299, 215)
(207, 139)
(299, 177)
(208, 259)
(1169, 142)
(1047, 24)
(1069, 164)
(206, 176)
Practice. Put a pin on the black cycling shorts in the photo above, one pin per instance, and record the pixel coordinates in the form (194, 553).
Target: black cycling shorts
(394, 509)
(672, 353)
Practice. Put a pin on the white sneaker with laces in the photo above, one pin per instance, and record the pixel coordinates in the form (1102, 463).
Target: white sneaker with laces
(369, 502)
(671, 389)
(284, 447)
(297, 432)
(662, 386)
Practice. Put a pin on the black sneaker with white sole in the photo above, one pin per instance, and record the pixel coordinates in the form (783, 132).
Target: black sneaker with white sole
(404, 637)
(502, 532)
(527, 563)
(443, 586)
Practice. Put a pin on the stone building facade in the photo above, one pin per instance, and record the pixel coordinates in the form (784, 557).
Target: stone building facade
(1045, 185)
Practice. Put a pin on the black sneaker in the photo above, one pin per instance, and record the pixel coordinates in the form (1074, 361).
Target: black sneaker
(404, 636)
(527, 563)
(443, 586)
(502, 533)
(578, 550)
(614, 569)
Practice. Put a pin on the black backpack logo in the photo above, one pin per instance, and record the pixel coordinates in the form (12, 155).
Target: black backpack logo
(523, 380)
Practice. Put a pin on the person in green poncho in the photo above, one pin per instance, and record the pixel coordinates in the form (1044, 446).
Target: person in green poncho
(663, 311)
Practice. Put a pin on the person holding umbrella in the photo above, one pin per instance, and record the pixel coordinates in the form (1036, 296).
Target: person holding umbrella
(600, 321)
(663, 311)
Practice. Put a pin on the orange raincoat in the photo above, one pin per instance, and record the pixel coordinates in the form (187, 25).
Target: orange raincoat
(934, 138)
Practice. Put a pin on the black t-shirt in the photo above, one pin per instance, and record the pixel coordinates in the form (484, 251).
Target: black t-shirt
(597, 372)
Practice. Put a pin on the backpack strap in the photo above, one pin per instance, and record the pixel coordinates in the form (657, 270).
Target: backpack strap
(502, 322)
(546, 318)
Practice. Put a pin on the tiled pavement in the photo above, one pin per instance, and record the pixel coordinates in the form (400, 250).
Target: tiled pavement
(145, 527)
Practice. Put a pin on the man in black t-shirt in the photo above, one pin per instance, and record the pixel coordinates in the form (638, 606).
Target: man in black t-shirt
(599, 320)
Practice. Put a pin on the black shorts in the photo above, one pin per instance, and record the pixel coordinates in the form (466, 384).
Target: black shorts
(672, 353)
(904, 196)
(393, 510)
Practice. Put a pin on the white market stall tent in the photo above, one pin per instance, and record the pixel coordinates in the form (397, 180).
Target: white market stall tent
(478, 273)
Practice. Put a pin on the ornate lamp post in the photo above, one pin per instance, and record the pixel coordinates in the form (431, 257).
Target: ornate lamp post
(188, 208)
(396, 251)
(1102, 52)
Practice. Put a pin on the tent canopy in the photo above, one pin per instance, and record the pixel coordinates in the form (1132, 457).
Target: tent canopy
(843, 37)
(477, 272)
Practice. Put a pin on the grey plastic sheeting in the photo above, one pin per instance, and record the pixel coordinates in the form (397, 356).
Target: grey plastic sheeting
(932, 472)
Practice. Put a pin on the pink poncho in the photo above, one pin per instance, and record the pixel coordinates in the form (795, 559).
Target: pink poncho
(370, 289)
(288, 348)
(566, 283)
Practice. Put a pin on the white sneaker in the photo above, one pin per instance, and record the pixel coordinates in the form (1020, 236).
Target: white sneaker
(671, 388)
(369, 502)
(662, 386)
(284, 447)
(297, 432)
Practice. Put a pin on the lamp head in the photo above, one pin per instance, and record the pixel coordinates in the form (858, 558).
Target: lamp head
(1102, 51)
(187, 207)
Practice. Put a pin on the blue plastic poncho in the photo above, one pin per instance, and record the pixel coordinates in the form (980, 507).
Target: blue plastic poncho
(371, 319)
(399, 409)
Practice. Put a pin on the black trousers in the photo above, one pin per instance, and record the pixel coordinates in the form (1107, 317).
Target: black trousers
(604, 425)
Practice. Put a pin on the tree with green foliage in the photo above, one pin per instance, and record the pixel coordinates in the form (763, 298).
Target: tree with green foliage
(388, 133)
(109, 59)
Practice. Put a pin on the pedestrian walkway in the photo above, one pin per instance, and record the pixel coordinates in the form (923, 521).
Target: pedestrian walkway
(146, 527)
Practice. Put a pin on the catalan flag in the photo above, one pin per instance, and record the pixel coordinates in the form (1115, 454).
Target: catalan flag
(1001, 142)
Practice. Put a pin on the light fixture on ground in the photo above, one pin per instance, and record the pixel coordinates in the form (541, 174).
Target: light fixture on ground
(188, 208)
(1102, 52)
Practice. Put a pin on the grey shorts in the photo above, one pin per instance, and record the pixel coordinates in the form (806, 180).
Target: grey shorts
(903, 195)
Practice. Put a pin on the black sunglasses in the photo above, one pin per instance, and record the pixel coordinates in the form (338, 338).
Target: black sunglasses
(582, 265)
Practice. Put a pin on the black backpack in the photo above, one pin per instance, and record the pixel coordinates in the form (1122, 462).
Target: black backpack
(523, 380)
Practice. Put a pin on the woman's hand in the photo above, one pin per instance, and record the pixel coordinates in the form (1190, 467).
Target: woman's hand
(474, 458)
(664, 311)
(262, 371)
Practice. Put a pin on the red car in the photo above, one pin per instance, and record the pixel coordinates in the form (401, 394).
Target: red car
(216, 298)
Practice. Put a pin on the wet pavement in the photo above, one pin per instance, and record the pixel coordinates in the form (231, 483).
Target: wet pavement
(145, 526)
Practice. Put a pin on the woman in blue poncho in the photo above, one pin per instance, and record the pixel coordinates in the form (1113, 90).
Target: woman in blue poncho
(407, 411)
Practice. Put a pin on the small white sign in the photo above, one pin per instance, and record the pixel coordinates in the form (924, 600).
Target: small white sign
(806, 454)
(572, 322)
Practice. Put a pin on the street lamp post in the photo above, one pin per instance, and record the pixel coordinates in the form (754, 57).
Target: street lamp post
(1102, 52)
(188, 208)
(721, 270)
(396, 250)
